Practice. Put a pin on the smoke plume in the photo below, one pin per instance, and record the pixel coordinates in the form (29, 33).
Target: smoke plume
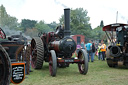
(63, 5)
(10, 32)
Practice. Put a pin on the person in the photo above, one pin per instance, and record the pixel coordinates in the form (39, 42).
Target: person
(93, 52)
(89, 49)
(82, 45)
(99, 52)
(78, 47)
(103, 49)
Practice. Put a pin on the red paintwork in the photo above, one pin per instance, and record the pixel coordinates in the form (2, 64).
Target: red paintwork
(112, 27)
(63, 61)
(82, 38)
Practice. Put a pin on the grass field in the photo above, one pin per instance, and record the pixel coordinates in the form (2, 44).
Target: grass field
(98, 74)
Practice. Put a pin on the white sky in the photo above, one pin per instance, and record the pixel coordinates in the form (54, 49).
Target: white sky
(51, 10)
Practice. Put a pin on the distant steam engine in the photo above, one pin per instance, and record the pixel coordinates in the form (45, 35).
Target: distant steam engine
(117, 52)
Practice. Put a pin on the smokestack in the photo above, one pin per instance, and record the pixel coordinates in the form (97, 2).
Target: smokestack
(67, 22)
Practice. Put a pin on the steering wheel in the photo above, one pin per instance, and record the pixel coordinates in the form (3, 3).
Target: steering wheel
(2, 34)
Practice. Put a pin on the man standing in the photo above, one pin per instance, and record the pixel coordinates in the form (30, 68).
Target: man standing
(99, 52)
(89, 49)
(93, 52)
(103, 49)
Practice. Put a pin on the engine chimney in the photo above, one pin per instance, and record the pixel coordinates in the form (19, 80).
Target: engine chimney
(67, 22)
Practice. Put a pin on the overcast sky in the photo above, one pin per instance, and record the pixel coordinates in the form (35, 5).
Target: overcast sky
(51, 10)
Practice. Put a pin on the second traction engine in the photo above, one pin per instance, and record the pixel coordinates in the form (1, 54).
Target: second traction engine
(57, 49)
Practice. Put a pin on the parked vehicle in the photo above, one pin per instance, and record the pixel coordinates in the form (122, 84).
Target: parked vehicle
(117, 51)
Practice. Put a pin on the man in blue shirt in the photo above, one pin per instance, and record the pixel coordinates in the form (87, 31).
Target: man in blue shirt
(89, 50)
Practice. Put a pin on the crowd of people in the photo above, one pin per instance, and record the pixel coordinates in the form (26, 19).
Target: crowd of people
(94, 50)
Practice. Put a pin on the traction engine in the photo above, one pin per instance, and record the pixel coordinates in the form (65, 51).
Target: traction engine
(10, 70)
(5, 63)
(57, 49)
(117, 51)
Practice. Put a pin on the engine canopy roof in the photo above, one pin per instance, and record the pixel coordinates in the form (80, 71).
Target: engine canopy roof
(113, 27)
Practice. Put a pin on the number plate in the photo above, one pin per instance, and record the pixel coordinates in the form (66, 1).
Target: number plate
(69, 60)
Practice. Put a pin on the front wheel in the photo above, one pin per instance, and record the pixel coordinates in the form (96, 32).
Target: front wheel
(110, 62)
(83, 65)
(5, 67)
(52, 63)
(109, 59)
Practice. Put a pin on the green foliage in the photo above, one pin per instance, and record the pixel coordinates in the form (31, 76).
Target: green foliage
(32, 32)
(42, 27)
(7, 21)
(53, 25)
(97, 33)
(3, 16)
(12, 23)
(79, 22)
(26, 23)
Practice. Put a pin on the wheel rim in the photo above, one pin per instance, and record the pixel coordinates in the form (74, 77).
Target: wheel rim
(33, 54)
(28, 55)
(83, 66)
(52, 63)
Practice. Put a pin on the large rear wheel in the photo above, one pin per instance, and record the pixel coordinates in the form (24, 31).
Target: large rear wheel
(5, 67)
(83, 65)
(52, 63)
(37, 52)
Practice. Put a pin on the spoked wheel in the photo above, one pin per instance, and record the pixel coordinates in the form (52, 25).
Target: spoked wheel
(5, 67)
(2, 34)
(52, 63)
(37, 53)
(83, 66)
(28, 57)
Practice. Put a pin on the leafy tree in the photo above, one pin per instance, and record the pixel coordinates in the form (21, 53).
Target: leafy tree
(32, 32)
(7, 21)
(53, 25)
(42, 27)
(79, 22)
(26, 23)
(97, 33)
(12, 24)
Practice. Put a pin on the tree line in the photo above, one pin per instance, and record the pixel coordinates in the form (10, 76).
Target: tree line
(79, 24)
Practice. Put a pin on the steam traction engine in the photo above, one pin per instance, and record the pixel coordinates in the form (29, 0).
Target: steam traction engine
(5, 63)
(57, 49)
(117, 51)
(10, 67)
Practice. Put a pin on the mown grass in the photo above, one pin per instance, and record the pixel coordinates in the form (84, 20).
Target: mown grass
(98, 74)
